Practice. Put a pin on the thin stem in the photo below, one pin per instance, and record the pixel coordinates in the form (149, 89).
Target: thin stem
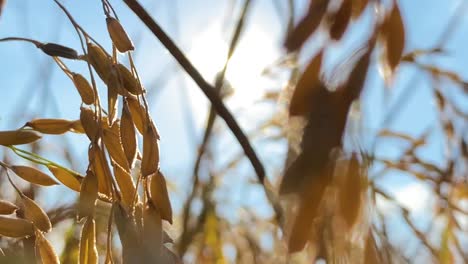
(35, 42)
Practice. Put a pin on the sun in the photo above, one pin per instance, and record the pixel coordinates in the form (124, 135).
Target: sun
(254, 52)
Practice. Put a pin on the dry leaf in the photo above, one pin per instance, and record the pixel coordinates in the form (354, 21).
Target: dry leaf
(349, 196)
(341, 20)
(126, 227)
(306, 87)
(152, 233)
(358, 7)
(307, 26)
(393, 35)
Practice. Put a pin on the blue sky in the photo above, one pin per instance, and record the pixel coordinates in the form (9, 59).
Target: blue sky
(22, 68)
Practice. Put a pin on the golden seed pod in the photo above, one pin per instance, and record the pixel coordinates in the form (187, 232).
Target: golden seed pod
(160, 197)
(44, 250)
(101, 170)
(72, 181)
(88, 195)
(15, 227)
(7, 208)
(84, 88)
(118, 35)
(112, 101)
(89, 123)
(138, 114)
(33, 175)
(50, 126)
(150, 159)
(57, 50)
(100, 61)
(18, 137)
(128, 134)
(126, 185)
(77, 127)
(129, 82)
(88, 250)
(111, 138)
(34, 213)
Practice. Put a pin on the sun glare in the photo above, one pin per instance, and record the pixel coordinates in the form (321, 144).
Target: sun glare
(255, 51)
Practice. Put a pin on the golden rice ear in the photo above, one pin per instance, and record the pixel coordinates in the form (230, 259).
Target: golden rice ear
(100, 61)
(15, 227)
(44, 250)
(88, 250)
(111, 138)
(33, 175)
(126, 185)
(34, 213)
(57, 50)
(89, 123)
(112, 102)
(101, 169)
(88, 195)
(138, 114)
(50, 126)
(84, 88)
(118, 35)
(130, 83)
(150, 159)
(128, 134)
(18, 137)
(7, 208)
(160, 196)
(68, 179)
